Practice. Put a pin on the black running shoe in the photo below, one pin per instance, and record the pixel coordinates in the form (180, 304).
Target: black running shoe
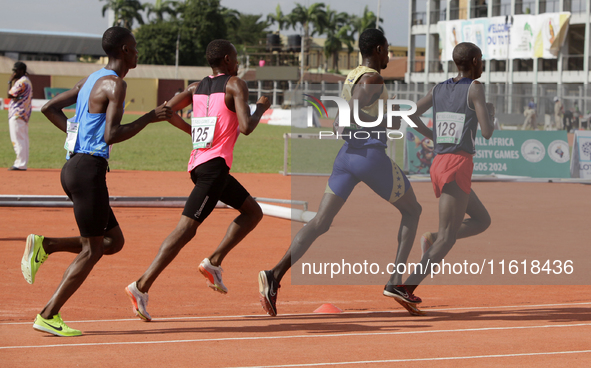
(401, 293)
(268, 287)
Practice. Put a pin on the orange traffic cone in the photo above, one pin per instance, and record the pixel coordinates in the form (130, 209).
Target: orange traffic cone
(328, 308)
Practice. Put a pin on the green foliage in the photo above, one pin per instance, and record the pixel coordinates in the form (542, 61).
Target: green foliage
(161, 7)
(126, 12)
(249, 30)
(203, 22)
(279, 18)
(156, 43)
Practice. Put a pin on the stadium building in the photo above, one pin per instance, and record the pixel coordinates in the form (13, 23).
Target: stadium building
(519, 68)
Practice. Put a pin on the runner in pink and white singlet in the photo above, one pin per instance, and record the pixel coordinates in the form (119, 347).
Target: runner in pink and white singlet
(220, 113)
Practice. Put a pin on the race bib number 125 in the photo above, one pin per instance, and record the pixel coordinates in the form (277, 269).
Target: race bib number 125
(202, 130)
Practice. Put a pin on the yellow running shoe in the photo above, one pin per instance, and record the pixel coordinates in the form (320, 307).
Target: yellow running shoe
(55, 326)
(33, 257)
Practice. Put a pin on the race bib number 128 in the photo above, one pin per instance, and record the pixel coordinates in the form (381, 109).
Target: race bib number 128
(202, 130)
(449, 127)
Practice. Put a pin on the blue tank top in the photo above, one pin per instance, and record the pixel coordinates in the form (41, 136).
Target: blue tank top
(91, 127)
(455, 123)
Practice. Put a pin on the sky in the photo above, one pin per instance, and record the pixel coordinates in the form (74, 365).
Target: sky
(85, 16)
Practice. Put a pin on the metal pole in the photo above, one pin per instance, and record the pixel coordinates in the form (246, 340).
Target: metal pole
(302, 57)
(378, 15)
(176, 61)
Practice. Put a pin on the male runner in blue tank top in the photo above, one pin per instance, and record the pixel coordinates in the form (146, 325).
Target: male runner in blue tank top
(358, 160)
(459, 105)
(96, 126)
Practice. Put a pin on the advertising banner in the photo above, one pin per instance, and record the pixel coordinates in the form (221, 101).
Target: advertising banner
(536, 154)
(527, 37)
(580, 166)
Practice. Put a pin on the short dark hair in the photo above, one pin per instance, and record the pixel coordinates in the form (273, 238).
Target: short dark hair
(369, 40)
(19, 65)
(464, 53)
(216, 50)
(114, 38)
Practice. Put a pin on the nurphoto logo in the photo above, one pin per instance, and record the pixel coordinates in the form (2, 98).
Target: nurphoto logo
(345, 111)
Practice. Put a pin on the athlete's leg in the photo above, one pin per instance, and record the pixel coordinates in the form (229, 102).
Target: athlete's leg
(250, 215)
(112, 243)
(185, 231)
(410, 209)
(92, 251)
(452, 208)
(329, 207)
(478, 221)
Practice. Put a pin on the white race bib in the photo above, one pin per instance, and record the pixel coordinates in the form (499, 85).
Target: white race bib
(202, 131)
(450, 126)
(72, 137)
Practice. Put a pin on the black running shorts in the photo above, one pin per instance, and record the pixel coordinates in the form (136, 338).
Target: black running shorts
(84, 179)
(213, 182)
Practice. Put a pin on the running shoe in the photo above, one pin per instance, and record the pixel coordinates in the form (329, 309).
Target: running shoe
(411, 308)
(268, 288)
(139, 301)
(33, 257)
(54, 325)
(426, 242)
(213, 275)
(399, 292)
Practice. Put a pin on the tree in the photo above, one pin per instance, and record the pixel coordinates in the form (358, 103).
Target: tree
(126, 11)
(203, 22)
(231, 18)
(337, 33)
(161, 7)
(279, 18)
(367, 20)
(156, 43)
(249, 31)
(315, 16)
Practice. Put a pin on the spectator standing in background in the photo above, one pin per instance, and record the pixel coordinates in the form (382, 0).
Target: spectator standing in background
(530, 115)
(20, 92)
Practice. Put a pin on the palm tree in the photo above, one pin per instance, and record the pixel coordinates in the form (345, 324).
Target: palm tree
(126, 11)
(337, 34)
(232, 18)
(315, 16)
(161, 7)
(278, 17)
(367, 20)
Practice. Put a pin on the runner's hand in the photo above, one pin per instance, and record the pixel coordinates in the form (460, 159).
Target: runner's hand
(264, 103)
(491, 109)
(162, 112)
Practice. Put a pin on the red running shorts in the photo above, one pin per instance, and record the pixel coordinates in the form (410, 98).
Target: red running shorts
(448, 167)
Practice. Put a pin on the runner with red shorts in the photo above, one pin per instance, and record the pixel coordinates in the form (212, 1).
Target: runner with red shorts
(458, 106)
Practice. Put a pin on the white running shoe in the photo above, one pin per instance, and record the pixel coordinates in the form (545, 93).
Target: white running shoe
(139, 301)
(213, 275)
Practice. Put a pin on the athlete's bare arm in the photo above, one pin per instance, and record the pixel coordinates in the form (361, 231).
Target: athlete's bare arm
(237, 101)
(484, 112)
(53, 110)
(179, 102)
(423, 105)
(108, 96)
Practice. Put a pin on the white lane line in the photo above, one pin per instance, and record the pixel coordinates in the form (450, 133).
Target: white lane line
(420, 359)
(300, 336)
(264, 316)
